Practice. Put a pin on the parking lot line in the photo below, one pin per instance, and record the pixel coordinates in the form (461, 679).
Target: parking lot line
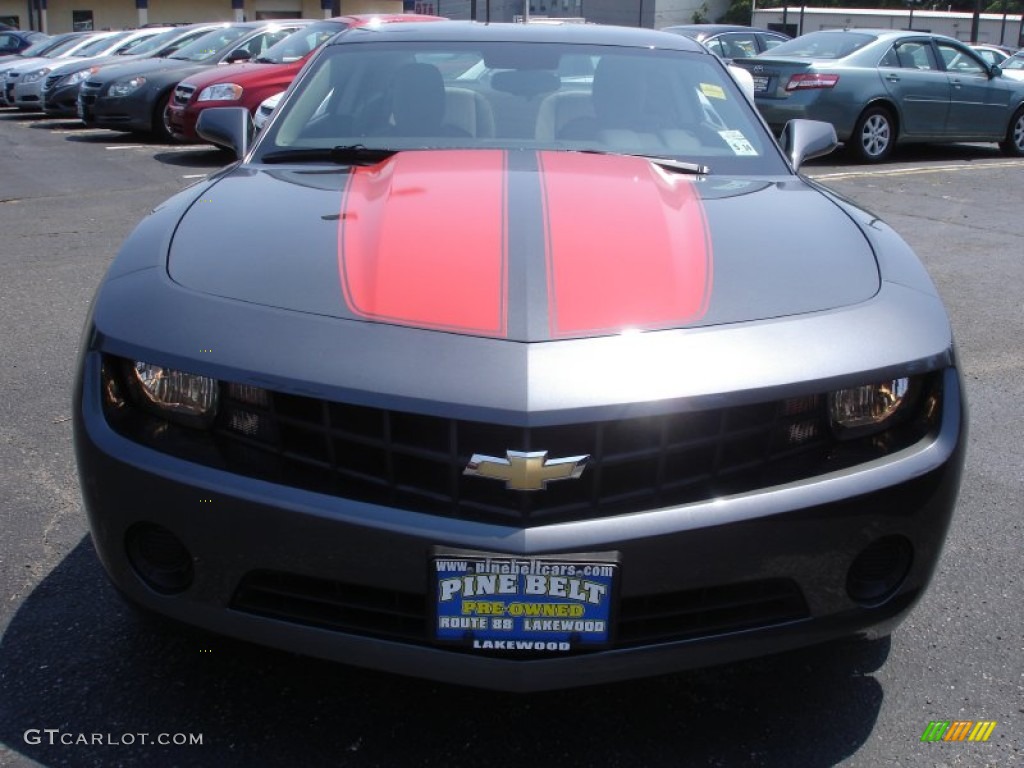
(916, 170)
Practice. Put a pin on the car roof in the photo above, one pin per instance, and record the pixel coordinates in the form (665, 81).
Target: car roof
(471, 31)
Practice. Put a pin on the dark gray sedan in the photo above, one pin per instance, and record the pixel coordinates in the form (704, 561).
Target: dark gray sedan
(883, 88)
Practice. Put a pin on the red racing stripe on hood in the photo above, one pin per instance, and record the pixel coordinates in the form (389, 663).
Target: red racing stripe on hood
(422, 241)
(627, 244)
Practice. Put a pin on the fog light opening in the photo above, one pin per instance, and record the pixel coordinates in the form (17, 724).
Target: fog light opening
(879, 570)
(159, 558)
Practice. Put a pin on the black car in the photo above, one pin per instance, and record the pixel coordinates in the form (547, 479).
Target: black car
(482, 369)
(13, 41)
(730, 41)
(134, 96)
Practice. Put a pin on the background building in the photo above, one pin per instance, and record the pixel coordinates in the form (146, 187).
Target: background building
(55, 16)
(998, 28)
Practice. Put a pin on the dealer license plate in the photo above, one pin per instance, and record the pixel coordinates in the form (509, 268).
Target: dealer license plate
(494, 602)
(760, 83)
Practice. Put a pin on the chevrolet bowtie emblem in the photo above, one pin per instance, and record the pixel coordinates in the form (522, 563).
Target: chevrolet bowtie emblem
(526, 471)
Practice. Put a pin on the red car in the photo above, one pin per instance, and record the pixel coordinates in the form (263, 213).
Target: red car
(249, 83)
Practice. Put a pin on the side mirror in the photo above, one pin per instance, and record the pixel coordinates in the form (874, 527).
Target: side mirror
(994, 71)
(806, 139)
(236, 56)
(228, 127)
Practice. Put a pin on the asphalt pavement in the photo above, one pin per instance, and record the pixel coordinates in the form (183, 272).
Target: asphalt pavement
(87, 681)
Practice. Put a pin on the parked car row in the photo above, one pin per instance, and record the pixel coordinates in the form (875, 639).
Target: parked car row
(158, 80)
(882, 88)
(61, 86)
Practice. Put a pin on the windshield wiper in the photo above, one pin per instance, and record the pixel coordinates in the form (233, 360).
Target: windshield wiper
(353, 154)
(663, 162)
(264, 60)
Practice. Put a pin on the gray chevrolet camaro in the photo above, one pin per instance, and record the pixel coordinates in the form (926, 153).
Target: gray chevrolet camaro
(519, 357)
(881, 88)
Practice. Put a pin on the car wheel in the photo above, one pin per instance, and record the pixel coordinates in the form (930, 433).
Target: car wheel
(161, 131)
(1013, 145)
(874, 136)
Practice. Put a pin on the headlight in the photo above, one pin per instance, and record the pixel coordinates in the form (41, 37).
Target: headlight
(124, 87)
(177, 396)
(870, 408)
(32, 77)
(79, 76)
(221, 92)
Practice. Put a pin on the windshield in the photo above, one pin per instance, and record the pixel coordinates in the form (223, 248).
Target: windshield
(148, 45)
(302, 42)
(135, 46)
(658, 103)
(210, 44)
(100, 45)
(64, 46)
(822, 45)
(39, 48)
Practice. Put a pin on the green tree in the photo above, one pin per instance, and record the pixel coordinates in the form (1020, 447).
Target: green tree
(739, 12)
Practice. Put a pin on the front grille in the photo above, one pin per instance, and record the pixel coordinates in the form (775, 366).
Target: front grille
(711, 611)
(416, 462)
(342, 607)
(182, 93)
(89, 92)
(405, 616)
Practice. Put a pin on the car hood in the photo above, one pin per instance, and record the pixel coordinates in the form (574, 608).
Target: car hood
(243, 73)
(524, 245)
(31, 64)
(129, 69)
(76, 65)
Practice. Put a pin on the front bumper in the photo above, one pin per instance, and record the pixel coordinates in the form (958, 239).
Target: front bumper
(181, 121)
(61, 101)
(129, 113)
(27, 96)
(269, 562)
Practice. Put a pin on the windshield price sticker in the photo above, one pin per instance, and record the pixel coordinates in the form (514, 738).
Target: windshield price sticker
(523, 604)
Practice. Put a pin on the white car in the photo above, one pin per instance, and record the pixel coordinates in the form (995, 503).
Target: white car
(266, 109)
(27, 94)
(22, 82)
(1014, 66)
(993, 54)
(11, 70)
